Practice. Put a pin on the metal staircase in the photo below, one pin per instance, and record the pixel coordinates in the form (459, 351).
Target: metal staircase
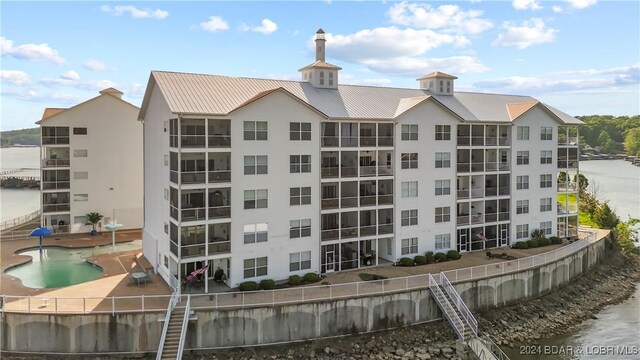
(174, 330)
(462, 320)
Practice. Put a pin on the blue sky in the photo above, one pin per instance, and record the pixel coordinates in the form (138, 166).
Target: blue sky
(582, 56)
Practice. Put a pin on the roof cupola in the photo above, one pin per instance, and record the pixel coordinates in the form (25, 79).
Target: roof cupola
(321, 74)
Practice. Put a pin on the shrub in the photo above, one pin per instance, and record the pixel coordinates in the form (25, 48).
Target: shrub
(429, 256)
(544, 242)
(537, 234)
(453, 255)
(295, 280)
(440, 257)
(248, 286)
(405, 261)
(555, 240)
(311, 277)
(371, 277)
(532, 243)
(521, 245)
(420, 260)
(267, 284)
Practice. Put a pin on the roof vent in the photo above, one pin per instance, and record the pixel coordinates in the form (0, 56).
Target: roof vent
(437, 83)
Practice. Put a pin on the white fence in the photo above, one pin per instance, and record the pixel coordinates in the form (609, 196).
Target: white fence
(227, 300)
(19, 220)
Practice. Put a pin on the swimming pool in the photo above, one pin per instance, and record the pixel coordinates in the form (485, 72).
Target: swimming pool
(60, 267)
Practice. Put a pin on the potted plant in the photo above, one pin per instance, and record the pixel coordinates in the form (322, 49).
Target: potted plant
(93, 218)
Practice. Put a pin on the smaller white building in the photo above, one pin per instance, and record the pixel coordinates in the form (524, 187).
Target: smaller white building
(92, 162)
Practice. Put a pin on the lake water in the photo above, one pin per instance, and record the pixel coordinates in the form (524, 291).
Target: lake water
(618, 182)
(18, 202)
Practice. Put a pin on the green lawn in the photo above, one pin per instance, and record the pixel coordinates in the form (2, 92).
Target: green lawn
(585, 219)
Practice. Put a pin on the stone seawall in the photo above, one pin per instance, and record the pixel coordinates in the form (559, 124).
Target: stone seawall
(285, 323)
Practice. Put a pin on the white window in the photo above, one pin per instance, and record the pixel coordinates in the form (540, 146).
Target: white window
(523, 132)
(256, 199)
(80, 175)
(321, 77)
(443, 132)
(82, 220)
(166, 228)
(522, 158)
(79, 131)
(546, 181)
(443, 160)
(443, 241)
(300, 196)
(546, 227)
(409, 217)
(409, 188)
(299, 163)
(443, 214)
(255, 130)
(166, 194)
(80, 197)
(300, 261)
(409, 246)
(522, 207)
(166, 160)
(409, 160)
(409, 132)
(255, 233)
(545, 204)
(299, 228)
(443, 187)
(522, 182)
(546, 157)
(441, 85)
(80, 153)
(546, 133)
(256, 164)
(522, 231)
(299, 131)
(255, 267)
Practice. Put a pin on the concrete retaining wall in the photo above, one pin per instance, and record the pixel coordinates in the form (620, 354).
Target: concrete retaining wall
(266, 325)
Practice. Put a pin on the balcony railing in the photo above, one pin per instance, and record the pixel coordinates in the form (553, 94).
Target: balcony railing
(503, 166)
(330, 141)
(385, 140)
(504, 141)
(464, 140)
(192, 250)
(566, 186)
(55, 140)
(463, 219)
(503, 216)
(349, 141)
(567, 164)
(367, 171)
(477, 219)
(385, 199)
(385, 170)
(218, 212)
(463, 193)
(367, 141)
(347, 202)
(490, 191)
(349, 171)
(193, 177)
(491, 166)
(348, 232)
(193, 141)
(55, 163)
(219, 141)
(368, 200)
(332, 203)
(570, 140)
(173, 176)
(173, 212)
(491, 140)
(477, 193)
(331, 234)
(219, 247)
(385, 229)
(56, 207)
(477, 140)
(54, 185)
(194, 214)
(477, 167)
(503, 190)
(219, 176)
(368, 230)
(329, 172)
(492, 217)
(464, 167)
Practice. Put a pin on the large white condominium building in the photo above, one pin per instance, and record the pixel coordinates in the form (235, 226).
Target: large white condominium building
(92, 162)
(268, 178)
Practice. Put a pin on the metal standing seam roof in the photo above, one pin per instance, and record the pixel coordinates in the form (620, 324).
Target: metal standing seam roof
(187, 93)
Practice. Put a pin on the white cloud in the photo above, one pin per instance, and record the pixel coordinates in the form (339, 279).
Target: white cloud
(135, 12)
(134, 90)
(266, 28)
(417, 66)
(94, 65)
(526, 5)
(70, 75)
(15, 77)
(557, 9)
(42, 97)
(447, 18)
(581, 4)
(215, 23)
(386, 43)
(30, 51)
(349, 79)
(529, 33)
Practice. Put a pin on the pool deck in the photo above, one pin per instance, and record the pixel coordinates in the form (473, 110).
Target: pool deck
(116, 267)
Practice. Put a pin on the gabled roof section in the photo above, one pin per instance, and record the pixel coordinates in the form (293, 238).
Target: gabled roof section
(111, 91)
(517, 109)
(319, 64)
(562, 116)
(436, 74)
(410, 103)
(266, 93)
(49, 112)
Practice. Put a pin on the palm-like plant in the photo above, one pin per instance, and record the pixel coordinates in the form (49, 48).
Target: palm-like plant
(93, 218)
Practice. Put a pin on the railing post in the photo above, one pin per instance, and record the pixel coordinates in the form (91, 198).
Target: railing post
(55, 301)
(357, 289)
(142, 302)
(113, 305)
(216, 297)
(382, 286)
(29, 304)
(84, 304)
(242, 299)
(406, 283)
(273, 298)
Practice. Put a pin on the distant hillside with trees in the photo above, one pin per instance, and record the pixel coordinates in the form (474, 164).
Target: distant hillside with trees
(611, 134)
(20, 137)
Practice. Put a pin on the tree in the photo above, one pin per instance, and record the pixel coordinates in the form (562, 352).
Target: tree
(605, 217)
(605, 142)
(632, 142)
(625, 236)
(582, 181)
(93, 218)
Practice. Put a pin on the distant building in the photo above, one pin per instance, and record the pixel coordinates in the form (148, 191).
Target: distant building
(268, 178)
(91, 162)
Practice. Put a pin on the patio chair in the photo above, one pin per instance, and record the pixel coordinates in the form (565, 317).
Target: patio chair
(147, 276)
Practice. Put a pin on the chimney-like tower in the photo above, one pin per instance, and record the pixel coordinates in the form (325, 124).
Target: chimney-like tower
(438, 83)
(321, 74)
(320, 44)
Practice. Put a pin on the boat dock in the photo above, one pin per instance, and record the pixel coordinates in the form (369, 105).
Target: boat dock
(20, 178)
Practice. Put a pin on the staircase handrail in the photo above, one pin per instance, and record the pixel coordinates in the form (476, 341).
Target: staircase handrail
(459, 303)
(172, 304)
(494, 348)
(183, 331)
(456, 322)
